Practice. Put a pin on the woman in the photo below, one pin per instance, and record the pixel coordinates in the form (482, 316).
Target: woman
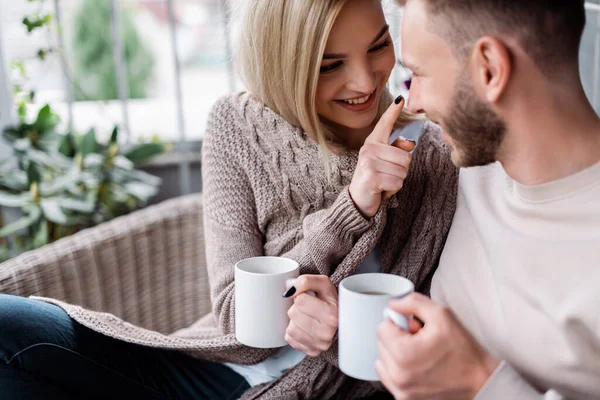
(282, 176)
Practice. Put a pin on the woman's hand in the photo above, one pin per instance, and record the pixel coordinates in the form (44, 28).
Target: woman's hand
(313, 319)
(381, 168)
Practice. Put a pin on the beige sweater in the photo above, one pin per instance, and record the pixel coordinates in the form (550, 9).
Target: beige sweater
(266, 193)
(521, 270)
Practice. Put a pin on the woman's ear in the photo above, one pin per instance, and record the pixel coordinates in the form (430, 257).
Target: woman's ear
(492, 66)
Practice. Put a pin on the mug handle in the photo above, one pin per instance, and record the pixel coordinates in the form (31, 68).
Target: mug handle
(398, 319)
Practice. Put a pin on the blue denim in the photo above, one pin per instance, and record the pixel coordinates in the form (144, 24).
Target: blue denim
(44, 354)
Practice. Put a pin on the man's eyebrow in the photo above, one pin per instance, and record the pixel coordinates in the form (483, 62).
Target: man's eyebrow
(335, 56)
(407, 64)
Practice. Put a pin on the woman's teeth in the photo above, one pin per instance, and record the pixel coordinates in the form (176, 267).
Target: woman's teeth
(361, 100)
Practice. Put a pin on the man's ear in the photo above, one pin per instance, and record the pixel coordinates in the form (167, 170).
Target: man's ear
(492, 67)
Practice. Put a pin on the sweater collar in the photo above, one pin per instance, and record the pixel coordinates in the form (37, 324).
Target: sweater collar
(267, 122)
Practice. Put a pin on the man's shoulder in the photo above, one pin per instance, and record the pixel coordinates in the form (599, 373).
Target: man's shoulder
(487, 172)
(481, 184)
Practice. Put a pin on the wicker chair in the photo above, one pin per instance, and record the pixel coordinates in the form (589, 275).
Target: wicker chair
(147, 267)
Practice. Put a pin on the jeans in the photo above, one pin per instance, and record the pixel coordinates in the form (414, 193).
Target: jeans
(44, 354)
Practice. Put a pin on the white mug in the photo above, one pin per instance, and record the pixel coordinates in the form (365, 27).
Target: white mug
(260, 309)
(360, 312)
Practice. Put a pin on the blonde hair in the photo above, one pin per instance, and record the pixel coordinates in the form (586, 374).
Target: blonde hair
(279, 49)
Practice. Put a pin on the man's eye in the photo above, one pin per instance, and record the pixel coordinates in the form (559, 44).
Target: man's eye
(330, 68)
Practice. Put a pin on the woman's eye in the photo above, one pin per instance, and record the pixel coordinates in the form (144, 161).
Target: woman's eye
(330, 68)
(380, 47)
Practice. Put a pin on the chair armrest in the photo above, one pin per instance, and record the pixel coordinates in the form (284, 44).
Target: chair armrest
(147, 267)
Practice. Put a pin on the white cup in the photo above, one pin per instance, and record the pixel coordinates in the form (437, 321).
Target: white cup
(359, 316)
(260, 309)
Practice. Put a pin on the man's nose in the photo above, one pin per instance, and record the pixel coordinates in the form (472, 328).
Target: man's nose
(414, 100)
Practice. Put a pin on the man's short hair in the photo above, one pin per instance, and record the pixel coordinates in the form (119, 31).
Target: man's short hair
(549, 30)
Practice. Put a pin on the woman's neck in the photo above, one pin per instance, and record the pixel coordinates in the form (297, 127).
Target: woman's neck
(352, 138)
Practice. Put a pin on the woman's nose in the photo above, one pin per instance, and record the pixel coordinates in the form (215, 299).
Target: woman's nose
(362, 79)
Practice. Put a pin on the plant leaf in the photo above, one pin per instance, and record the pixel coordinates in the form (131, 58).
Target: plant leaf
(67, 145)
(33, 174)
(62, 183)
(123, 162)
(53, 212)
(46, 120)
(22, 144)
(14, 180)
(140, 190)
(146, 178)
(145, 152)
(40, 237)
(49, 141)
(89, 144)
(93, 160)
(12, 133)
(22, 111)
(13, 200)
(54, 161)
(22, 223)
(115, 135)
(83, 206)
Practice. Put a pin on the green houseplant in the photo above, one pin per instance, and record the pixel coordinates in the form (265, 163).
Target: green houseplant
(64, 183)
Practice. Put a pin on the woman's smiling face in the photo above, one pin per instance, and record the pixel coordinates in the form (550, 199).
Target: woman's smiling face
(356, 66)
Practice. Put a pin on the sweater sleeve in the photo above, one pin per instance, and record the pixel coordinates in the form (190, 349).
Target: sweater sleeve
(430, 192)
(230, 219)
(506, 383)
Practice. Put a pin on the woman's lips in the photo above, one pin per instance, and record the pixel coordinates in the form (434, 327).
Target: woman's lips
(359, 107)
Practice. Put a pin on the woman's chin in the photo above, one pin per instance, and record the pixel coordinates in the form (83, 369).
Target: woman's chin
(357, 122)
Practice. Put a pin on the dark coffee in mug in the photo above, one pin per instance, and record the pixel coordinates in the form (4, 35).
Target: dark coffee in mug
(375, 293)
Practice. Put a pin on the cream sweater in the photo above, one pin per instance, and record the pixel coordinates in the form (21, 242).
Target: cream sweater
(521, 270)
(266, 193)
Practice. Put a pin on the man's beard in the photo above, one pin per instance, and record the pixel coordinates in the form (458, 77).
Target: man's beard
(476, 131)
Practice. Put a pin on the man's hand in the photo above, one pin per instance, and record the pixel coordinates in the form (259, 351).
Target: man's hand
(441, 360)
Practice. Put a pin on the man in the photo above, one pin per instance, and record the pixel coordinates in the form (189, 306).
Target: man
(515, 308)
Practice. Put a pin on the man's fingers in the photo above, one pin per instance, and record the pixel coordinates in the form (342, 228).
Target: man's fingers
(414, 326)
(386, 379)
(397, 343)
(416, 304)
(388, 333)
(383, 129)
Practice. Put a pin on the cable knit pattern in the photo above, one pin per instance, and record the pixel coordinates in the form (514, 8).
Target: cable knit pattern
(266, 193)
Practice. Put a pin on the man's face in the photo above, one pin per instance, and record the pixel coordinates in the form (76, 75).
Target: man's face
(442, 88)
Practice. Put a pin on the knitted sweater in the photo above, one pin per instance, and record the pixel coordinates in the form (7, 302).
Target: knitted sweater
(266, 193)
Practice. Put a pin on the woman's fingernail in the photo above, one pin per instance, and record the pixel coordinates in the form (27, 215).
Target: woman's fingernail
(290, 292)
(399, 99)
(412, 141)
